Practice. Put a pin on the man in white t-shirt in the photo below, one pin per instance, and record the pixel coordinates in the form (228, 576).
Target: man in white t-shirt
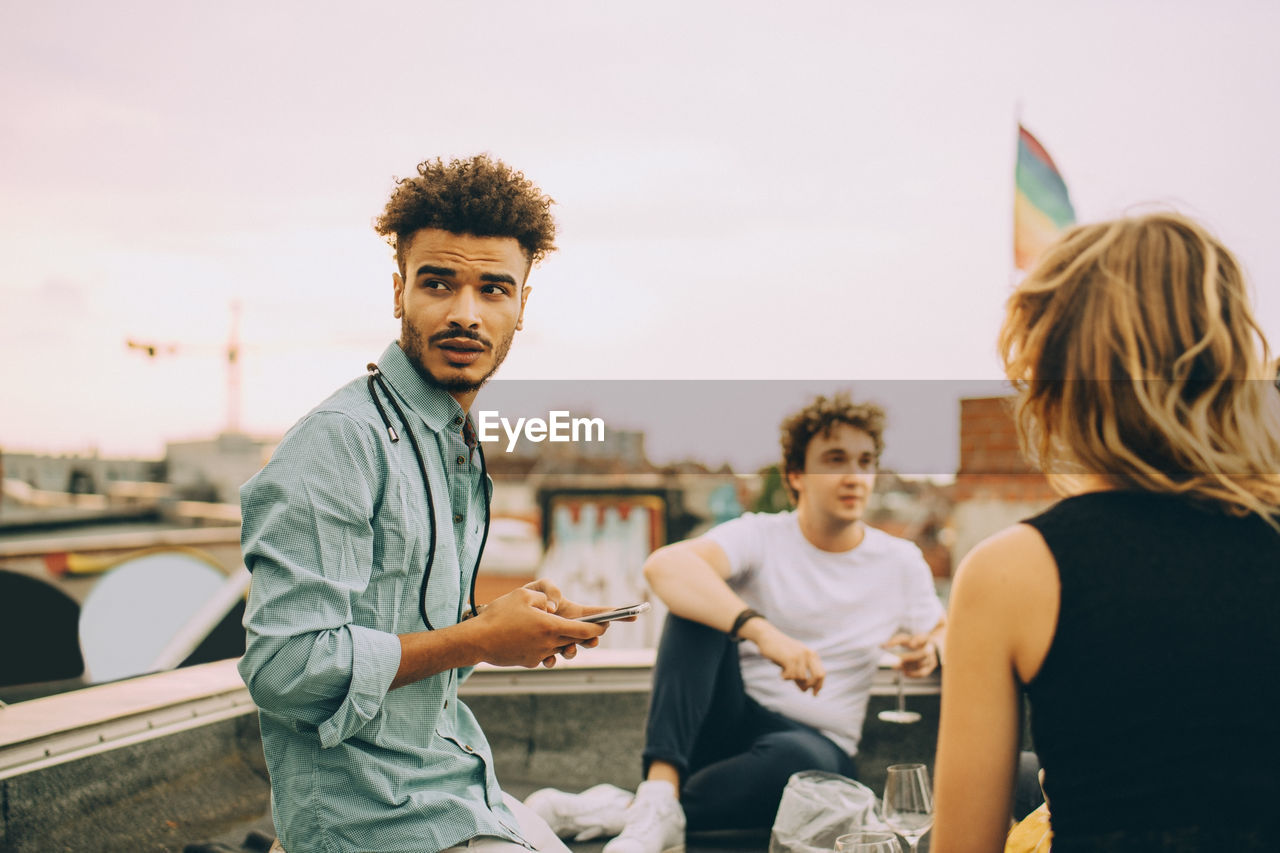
(815, 595)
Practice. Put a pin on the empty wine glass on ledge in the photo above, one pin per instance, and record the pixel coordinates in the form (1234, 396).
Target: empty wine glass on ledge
(899, 714)
(868, 841)
(908, 802)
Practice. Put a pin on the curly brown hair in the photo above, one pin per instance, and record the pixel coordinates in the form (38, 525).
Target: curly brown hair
(479, 196)
(818, 418)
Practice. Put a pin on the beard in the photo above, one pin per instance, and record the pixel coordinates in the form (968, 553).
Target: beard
(415, 347)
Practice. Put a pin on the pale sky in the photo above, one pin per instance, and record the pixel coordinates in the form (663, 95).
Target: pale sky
(808, 191)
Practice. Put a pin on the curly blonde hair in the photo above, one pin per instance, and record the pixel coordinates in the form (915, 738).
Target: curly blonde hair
(1136, 356)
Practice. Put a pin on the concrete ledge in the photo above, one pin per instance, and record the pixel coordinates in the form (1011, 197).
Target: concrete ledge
(628, 670)
(54, 729)
(42, 732)
(157, 794)
(190, 536)
(592, 671)
(572, 741)
(162, 760)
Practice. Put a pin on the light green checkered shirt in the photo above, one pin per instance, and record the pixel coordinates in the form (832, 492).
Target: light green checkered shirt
(336, 534)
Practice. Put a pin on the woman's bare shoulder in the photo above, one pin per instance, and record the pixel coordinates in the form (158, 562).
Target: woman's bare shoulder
(1008, 584)
(1013, 557)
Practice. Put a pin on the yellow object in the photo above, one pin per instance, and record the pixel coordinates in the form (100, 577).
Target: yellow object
(1032, 835)
(85, 564)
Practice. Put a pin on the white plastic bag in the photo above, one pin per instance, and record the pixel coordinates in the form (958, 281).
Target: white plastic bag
(817, 808)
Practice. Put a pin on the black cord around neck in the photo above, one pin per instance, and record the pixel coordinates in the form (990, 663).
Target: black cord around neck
(375, 376)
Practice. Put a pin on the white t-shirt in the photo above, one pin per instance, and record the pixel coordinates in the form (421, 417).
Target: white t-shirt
(841, 605)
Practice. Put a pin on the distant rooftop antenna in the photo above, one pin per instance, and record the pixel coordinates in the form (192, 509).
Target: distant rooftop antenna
(231, 352)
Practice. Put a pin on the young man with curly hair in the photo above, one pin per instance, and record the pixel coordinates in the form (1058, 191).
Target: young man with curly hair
(363, 534)
(813, 594)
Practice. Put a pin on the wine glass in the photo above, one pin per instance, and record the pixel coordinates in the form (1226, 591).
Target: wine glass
(908, 802)
(899, 714)
(867, 841)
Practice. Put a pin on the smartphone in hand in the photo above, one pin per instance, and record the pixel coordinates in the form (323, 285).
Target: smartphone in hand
(620, 613)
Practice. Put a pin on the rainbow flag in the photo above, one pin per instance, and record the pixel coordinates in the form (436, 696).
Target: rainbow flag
(1041, 205)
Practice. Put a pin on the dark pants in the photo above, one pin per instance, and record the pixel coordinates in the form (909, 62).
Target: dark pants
(1027, 795)
(734, 756)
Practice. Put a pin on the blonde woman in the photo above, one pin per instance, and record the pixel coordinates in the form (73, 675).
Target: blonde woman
(1138, 613)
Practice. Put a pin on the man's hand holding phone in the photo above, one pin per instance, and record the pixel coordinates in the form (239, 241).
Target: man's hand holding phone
(592, 614)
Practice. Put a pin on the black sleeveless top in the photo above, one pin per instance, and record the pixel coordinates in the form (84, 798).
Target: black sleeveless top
(1156, 713)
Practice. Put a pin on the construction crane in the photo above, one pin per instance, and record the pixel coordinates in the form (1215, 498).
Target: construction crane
(231, 352)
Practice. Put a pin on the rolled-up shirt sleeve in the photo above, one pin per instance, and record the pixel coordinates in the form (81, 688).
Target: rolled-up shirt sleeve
(308, 540)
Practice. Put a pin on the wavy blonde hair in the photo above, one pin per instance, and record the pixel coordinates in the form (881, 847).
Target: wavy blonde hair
(1136, 355)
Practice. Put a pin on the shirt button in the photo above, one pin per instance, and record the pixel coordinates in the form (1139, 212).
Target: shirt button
(457, 420)
(462, 460)
(467, 747)
(457, 518)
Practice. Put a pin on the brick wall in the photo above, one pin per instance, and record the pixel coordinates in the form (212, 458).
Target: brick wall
(995, 486)
(991, 465)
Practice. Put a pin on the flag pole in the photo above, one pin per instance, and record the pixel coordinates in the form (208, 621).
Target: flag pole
(1015, 274)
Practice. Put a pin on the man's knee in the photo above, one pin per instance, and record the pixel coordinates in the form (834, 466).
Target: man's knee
(691, 650)
(687, 633)
(792, 751)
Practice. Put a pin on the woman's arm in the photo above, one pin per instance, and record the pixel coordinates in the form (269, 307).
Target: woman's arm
(1004, 606)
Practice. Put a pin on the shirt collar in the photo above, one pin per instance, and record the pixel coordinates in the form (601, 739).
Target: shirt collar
(437, 408)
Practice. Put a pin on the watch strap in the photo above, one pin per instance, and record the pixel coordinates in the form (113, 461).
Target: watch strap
(742, 619)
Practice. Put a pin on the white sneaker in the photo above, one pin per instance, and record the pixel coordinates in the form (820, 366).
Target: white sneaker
(596, 812)
(654, 822)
